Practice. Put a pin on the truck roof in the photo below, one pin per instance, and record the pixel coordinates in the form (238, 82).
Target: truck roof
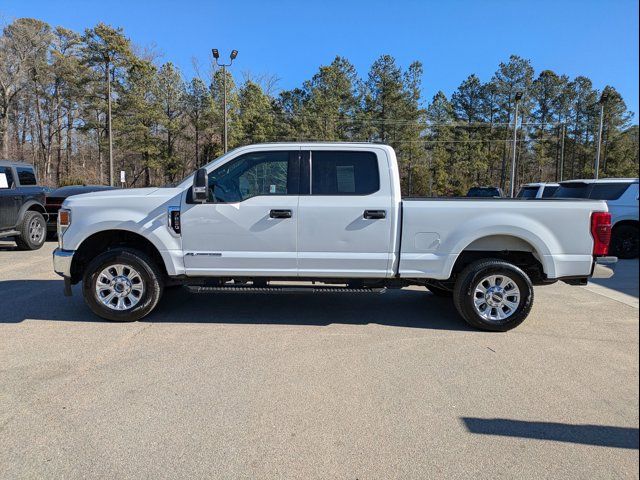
(541, 184)
(602, 180)
(8, 163)
(313, 143)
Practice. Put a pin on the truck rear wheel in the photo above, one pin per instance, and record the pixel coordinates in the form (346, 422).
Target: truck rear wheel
(122, 285)
(493, 295)
(33, 231)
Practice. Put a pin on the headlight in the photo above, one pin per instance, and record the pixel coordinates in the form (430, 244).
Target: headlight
(64, 220)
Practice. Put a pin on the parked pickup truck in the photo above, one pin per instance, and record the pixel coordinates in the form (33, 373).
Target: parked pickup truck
(329, 215)
(22, 213)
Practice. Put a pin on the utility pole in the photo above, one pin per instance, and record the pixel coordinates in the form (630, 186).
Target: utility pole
(564, 129)
(232, 56)
(601, 102)
(108, 74)
(515, 140)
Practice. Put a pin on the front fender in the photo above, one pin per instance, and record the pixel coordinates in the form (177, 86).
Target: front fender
(88, 220)
(31, 205)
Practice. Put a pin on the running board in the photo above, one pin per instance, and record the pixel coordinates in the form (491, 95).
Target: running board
(282, 289)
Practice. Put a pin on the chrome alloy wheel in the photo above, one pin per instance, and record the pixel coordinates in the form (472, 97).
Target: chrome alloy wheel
(36, 231)
(119, 287)
(496, 297)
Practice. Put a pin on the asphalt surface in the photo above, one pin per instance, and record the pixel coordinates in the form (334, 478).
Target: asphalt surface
(352, 386)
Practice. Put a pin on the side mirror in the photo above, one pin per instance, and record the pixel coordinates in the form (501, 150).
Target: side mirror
(199, 188)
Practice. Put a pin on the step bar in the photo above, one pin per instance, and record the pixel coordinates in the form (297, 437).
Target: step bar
(281, 289)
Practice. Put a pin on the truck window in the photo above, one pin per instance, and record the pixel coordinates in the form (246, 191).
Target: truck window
(485, 192)
(6, 177)
(607, 191)
(572, 190)
(548, 192)
(253, 174)
(344, 173)
(26, 176)
(528, 192)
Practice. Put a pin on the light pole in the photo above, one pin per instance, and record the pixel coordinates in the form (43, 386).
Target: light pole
(515, 140)
(601, 102)
(108, 77)
(564, 132)
(232, 56)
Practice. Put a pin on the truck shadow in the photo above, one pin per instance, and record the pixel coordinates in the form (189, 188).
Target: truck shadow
(22, 300)
(624, 280)
(10, 246)
(599, 435)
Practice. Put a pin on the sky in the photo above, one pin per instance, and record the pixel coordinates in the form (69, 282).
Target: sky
(452, 39)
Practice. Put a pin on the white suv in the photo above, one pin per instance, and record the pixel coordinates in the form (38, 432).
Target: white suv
(621, 195)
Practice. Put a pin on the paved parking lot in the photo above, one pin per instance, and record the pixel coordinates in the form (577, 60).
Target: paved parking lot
(331, 386)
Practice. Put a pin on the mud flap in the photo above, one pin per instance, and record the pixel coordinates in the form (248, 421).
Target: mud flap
(67, 286)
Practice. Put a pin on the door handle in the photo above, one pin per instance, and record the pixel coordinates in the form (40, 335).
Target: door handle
(374, 214)
(280, 214)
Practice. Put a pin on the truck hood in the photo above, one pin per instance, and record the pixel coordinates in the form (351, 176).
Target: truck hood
(120, 196)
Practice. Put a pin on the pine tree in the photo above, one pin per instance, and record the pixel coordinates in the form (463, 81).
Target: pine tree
(170, 93)
(138, 118)
(511, 78)
(331, 101)
(199, 110)
(108, 52)
(254, 117)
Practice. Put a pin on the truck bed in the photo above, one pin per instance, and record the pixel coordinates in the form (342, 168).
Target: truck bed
(436, 230)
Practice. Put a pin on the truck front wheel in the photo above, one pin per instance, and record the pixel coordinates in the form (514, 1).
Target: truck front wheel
(122, 285)
(493, 295)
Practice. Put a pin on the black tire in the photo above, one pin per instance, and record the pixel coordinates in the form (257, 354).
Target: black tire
(150, 275)
(472, 276)
(440, 292)
(33, 231)
(624, 241)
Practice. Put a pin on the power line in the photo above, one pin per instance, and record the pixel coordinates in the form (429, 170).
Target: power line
(394, 121)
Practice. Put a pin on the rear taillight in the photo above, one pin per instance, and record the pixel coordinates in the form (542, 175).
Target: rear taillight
(601, 232)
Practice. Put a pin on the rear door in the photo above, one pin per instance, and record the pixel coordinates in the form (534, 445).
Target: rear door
(345, 214)
(10, 199)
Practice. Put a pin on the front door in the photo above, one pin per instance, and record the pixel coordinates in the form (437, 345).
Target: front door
(347, 218)
(249, 225)
(10, 200)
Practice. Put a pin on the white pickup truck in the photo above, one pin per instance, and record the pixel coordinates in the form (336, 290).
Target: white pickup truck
(322, 217)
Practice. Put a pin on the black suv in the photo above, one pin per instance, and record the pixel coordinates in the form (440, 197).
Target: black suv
(22, 213)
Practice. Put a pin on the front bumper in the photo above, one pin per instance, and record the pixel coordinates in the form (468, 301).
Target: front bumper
(62, 262)
(602, 267)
